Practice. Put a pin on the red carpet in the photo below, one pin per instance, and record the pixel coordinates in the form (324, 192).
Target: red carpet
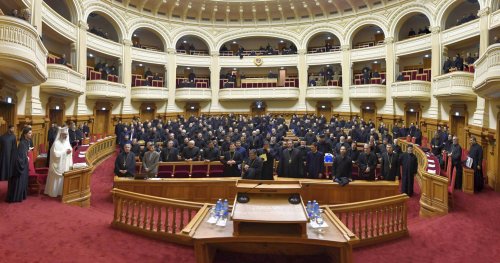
(41, 229)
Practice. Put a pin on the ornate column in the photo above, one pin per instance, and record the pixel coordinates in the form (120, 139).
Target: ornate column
(302, 68)
(126, 73)
(215, 81)
(346, 65)
(33, 104)
(437, 55)
(481, 117)
(79, 61)
(172, 72)
(36, 15)
(390, 62)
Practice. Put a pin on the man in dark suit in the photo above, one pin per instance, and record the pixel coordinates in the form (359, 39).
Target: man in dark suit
(447, 65)
(125, 162)
(211, 153)
(476, 153)
(315, 165)
(342, 167)
(169, 153)
(252, 167)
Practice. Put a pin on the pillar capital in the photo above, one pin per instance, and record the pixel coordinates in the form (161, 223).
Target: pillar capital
(484, 12)
(171, 50)
(302, 51)
(214, 53)
(435, 29)
(389, 40)
(345, 47)
(83, 25)
(127, 42)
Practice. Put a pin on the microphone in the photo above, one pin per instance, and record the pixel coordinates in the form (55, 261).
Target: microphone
(243, 197)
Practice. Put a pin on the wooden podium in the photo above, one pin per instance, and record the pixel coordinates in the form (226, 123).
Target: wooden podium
(268, 208)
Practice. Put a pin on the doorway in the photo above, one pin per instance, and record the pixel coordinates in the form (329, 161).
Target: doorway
(101, 123)
(411, 117)
(7, 113)
(458, 129)
(147, 113)
(368, 114)
(258, 108)
(56, 116)
(324, 109)
(192, 109)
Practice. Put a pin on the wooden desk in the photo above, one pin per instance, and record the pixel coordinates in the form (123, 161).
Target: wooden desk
(335, 241)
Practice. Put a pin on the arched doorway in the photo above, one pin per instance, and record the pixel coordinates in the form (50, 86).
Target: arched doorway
(192, 109)
(412, 114)
(324, 108)
(56, 111)
(458, 122)
(8, 102)
(369, 112)
(148, 111)
(258, 108)
(102, 118)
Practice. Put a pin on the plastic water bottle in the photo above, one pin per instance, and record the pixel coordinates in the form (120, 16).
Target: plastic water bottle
(225, 207)
(218, 207)
(309, 209)
(316, 211)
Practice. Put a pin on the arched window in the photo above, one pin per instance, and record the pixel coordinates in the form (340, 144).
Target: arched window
(323, 42)
(148, 39)
(368, 36)
(461, 13)
(104, 26)
(412, 25)
(64, 8)
(192, 45)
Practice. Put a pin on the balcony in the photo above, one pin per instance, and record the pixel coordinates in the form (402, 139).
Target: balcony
(367, 92)
(278, 93)
(487, 76)
(22, 54)
(63, 81)
(324, 93)
(193, 94)
(147, 93)
(101, 89)
(411, 90)
(454, 86)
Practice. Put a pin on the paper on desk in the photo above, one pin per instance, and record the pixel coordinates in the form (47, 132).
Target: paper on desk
(315, 225)
(212, 220)
(432, 171)
(221, 222)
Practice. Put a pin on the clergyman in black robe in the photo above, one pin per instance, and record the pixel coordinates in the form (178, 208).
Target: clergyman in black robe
(367, 163)
(315, 163)
(456, 162)
(252, 167)
(231, 160)
(291, 163)
(267, 156)
(409, 164)
(125, 162)
(51, 137)
(18, 182)
(8, 150)
(476, 153)
(389, 164)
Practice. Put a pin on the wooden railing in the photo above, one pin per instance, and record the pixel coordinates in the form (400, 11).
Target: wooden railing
(76, 186)
(434, 188)
(157, 217)
(376, 220)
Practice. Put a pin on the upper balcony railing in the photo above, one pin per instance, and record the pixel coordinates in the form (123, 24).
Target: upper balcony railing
(58, 23)
(459, 33)
(22, 53)
(413, 45)
(103, 45)
(63, 81)
(367, 91)
(149, 56)
(324, 93)
(411, 90)
(455, 86)
(193, 94)
(369, 53)
(148, 93)
(487, 76)
(253, 61)
(102, 89)
(277, 93)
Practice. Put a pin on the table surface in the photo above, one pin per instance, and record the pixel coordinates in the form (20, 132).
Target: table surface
(269, 208)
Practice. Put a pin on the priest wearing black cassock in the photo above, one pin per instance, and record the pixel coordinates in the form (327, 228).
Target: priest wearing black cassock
(315, 163)
(169, 153)
(125, 162)
(211, 153)
(342, 167)
(252, 167)
(266, 154)
(367, 163)
(191, 152)
(51, 137)
(18, 182)
(8, 150)
(409, 165)
(476, 153)
(389, 164)
(456, 161)
(290, 164)
(231, 160)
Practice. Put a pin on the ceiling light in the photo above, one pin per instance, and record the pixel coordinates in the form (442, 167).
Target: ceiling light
(411, 110)
(367, 107)
(185, 41)
(203, 7)
(376, 62)
(280, 8)
(135, 35)
(103, 108)
(148, 108)
(327, 66)
(323, 106)
(234, 68)
(378, 31)
(329, 38)
(192, 107)
(91, 55)
(57, 107)
(234, 42)
(228, 9)
(241, 9)
(281, 41)
(457, 113)
(177, 3)
(140, 65)
(426, 55)
(188, 68)
(9, 100)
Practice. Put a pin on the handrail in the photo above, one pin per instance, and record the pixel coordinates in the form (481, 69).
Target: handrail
(374, 221)
(434, 188)
(157, 217)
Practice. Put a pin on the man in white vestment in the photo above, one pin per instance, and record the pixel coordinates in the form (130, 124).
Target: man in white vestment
(61, 160)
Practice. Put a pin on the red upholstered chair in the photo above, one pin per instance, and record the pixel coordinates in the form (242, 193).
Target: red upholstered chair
(42, 149)
(182, 171)
(165, 171)
(408, 138)
(357, 82)
(407, 77)
(216, 170)
(36, 177)
(200, 170)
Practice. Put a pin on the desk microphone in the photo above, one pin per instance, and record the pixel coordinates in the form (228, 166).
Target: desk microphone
(243, 197)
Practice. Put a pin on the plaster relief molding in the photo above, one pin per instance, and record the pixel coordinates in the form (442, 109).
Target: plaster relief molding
(413, 45)
(345, 47)
(324, 58)
(279, 93)
(389, 40)
(149, 56)
(58, 23)
(369, 53)
(459, 33)
(103, 45)
(193, 94)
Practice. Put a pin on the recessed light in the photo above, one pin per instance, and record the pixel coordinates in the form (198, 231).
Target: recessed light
(9, 100)
(140, 65)
(192, 107)
(148, 108)
(426, 55)
(367, 107)
(135, 35)
(57, 107)
(378, 31)
(323, 106)
(103, 108)
(457, 113)
(91, 55)
(188, 68)
(411, 110)
(281, 41)
(234, 42)
(184, 41)
(329, 38)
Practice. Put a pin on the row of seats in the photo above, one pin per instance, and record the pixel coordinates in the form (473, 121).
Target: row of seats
(94, 75)
(138, 80)
(417, 74)
(53, 59)
(323, 49)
